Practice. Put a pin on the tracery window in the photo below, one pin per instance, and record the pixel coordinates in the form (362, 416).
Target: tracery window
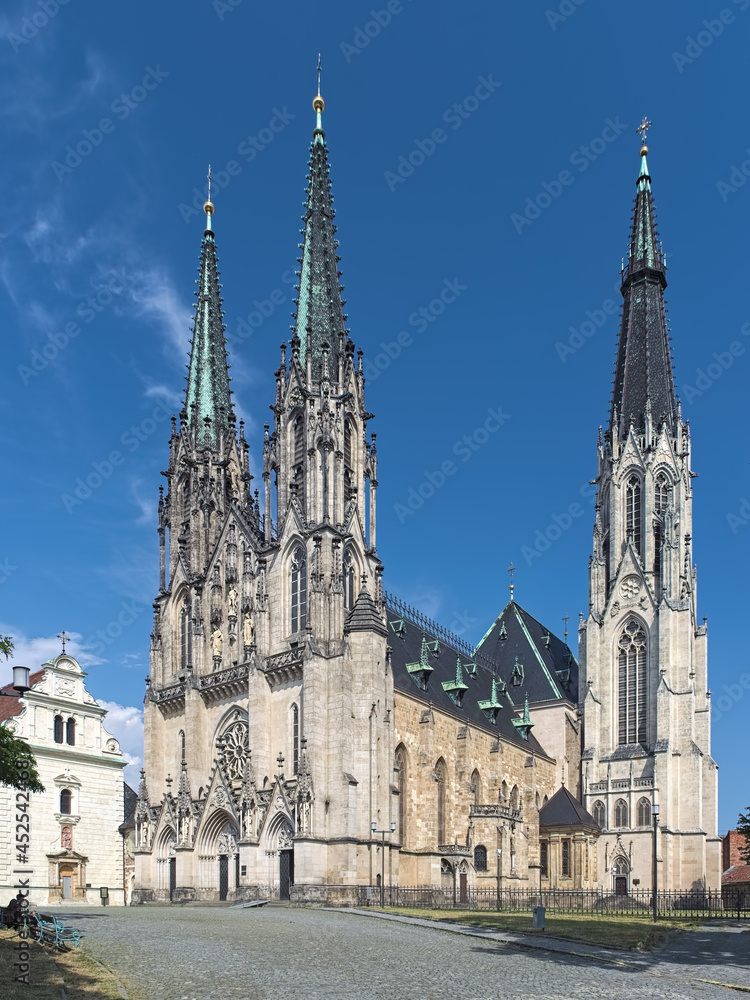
(348, 459)
(440, 776)
(235, 744)
(644, 812)
(662, 500)
(295, 738)
(299, 590)
(298, 456)
(565, 859)
(70, 732)
(186, 638)
(480, 858)
(633, 511)
(58, 729)
(621, 813)
(600, 814)
(632, 683)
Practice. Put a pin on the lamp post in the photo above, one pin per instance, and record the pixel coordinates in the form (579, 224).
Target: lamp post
(374, 828)
(20, 683)
(499, 873)
(655, 814)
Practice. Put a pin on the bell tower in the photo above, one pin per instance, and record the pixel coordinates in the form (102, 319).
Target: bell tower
(643, 662)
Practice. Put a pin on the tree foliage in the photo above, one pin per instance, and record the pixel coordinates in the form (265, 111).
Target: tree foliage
(17, 764)
(743, 828)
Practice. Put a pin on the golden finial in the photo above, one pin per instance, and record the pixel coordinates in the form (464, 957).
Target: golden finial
(208, 207)
(318, 103)
(511, 571)
(642, 130)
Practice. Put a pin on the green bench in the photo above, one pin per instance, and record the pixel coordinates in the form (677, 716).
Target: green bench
(47, 928)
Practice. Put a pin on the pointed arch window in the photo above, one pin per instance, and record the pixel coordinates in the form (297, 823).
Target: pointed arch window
(662, 501)
(70, 732)
(298, 457)
(633, 511)
(565, 859)
(600, 814)
(621, 813)
(480, 858)
(441, 774)
(58, 727)
(644, 812)
(182, 746)
(294, 722)
(348, 459)
(299, 590)
(186, 638)
(544, 858)
(400, 768)
(632, 683)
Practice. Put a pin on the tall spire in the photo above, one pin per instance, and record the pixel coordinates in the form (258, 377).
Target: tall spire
(643, 370)
(319, 318)
(208, 402)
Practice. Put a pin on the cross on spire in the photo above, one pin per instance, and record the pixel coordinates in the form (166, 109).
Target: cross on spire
(319, 74)
(511, 571)
(209, 182)
(566, 619)
(642, 130)
(64, 637)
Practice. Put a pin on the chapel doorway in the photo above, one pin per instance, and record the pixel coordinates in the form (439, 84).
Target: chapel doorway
(463, 890)
(286, 874)
(621, 870)
(67, 886)
(223, 877)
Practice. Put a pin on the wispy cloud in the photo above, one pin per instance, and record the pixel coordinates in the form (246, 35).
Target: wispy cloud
(33, 651)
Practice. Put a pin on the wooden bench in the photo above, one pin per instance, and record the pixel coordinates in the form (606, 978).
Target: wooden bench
(47, 928)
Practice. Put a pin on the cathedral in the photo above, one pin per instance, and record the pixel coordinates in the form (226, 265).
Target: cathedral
(309, 736)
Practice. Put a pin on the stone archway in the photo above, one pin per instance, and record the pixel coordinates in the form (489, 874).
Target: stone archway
(620, 876)
(218, 857)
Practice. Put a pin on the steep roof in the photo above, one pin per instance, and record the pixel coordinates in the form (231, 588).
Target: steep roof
(530, 658)
(130, 801)
(736, 874)
(364, 616)
(643, 369)
(440, 669)
(565, 810)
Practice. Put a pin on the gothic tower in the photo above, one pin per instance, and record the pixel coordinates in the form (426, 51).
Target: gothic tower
(643, 691)
(269, 701)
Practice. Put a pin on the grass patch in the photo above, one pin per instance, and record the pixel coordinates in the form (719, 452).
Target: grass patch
(76, 972)
(637, 933)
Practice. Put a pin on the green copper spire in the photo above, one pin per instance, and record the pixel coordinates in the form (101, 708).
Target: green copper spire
(524, 725)
(455, 688)
(319, 318)
(643, 382)
(208, 403)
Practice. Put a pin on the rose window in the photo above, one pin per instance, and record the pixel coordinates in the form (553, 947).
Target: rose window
(235, 747)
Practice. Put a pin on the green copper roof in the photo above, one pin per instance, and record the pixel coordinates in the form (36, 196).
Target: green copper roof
(319, 318)
(208, 395)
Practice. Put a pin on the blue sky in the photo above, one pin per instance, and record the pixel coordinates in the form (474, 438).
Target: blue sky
(479, 282)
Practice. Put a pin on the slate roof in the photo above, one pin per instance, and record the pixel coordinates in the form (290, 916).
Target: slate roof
(549, 669)
(12, 706)
(565, 810)
(364, 616)
(130, 801)
(406, 630)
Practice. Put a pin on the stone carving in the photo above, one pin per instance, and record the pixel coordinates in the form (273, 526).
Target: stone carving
(247, 629)
(217, 643)
(65, 687)
(630, 588)
(227, 844)
(235, 744)
(66, 838)
(232, 599)
(221, 799)
(286, 835)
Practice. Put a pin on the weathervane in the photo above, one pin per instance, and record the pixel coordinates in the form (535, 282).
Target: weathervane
(511, 571)
(642, 130)
(65, 637)
(319, 74)
(566, 619)
(209, 182)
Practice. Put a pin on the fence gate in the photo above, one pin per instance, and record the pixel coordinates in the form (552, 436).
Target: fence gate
(223, 877)
(286, 873)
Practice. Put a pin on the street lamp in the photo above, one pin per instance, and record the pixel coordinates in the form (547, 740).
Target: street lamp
(655, 814)
(20, 683)
(374, 828)
(499, 873)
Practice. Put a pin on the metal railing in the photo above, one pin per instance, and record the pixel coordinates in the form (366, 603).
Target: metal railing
(732, 903)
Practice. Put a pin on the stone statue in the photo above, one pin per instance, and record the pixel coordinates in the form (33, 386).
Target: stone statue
(217, 642)
(247, 629)
(233, 597)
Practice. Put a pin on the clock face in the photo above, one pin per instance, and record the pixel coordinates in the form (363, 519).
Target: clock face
(295, 397)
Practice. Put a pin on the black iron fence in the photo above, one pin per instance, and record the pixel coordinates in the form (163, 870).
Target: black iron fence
(639, 902)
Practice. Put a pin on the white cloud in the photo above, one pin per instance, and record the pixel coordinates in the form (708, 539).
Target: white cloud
(125, 723)
(155, 299)
(33, 651)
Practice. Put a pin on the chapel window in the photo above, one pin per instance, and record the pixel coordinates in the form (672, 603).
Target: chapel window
(633, 511)
(299, 590)
(480, 858)
(66, 801)
(644, 812)
(599, 813)
(58, 729)
(70, 732)
(632, 683)
(621, 813)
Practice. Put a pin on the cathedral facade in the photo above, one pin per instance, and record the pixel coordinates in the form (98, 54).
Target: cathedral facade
(307, 734)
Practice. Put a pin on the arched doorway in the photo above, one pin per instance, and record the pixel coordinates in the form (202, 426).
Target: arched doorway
(286, 862)
(621, 876)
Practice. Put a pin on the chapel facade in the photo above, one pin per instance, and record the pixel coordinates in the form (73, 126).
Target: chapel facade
(307, 734)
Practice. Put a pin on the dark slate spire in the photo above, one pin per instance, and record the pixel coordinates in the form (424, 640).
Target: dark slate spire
(643, 370)
(319, 318)
(208, 396)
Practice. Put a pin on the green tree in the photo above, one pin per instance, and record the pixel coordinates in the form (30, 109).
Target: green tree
(17, 764)
(743, 828)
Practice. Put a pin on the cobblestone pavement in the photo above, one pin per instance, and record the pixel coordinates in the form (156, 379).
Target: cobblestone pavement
(280, 953)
